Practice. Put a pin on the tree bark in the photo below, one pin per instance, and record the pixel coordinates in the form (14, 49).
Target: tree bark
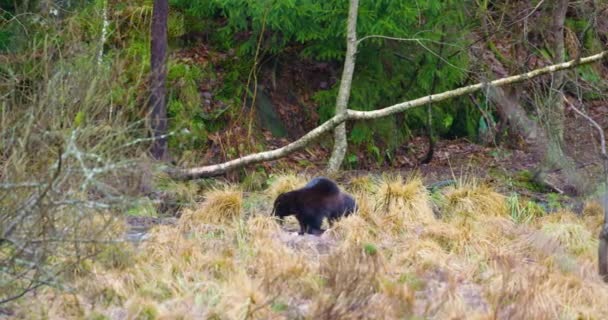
(104, 32)
(555, 108)
(158, 75)
(340, 143)
(217, 169)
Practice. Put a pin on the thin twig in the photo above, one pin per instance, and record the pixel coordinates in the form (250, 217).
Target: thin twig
(595, 124)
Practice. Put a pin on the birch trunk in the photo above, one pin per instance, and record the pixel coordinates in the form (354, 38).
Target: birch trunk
(158, 70)
(340, 144)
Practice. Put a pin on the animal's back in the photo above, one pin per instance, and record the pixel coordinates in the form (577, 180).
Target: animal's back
(322, 186)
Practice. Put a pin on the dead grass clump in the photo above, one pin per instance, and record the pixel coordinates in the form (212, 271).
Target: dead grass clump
(403, 203)
(262, 225)
(470, 199)
(354, 230)
(169, 252)
(422, 254)
(593, 208)
(572, 236)
(362, 184)
(534, 291)
(277, 267)
(394, 301)
(593, 216)
(365, 209)
(221, 207)
(448, 236)
(141, 309)
(561, 216)
(285, 183)
(163, 239)
(521, 294)
(350, 280)
(493, 231)
(242, 297)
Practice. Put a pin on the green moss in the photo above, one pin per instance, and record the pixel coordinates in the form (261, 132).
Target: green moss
(370, 249)
(142, 208)
(412, 281)
(525, 179)
(278, 306)
(97, 316)
(147, 312)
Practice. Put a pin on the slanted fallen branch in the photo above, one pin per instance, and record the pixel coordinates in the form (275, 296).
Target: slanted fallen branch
(217, 169)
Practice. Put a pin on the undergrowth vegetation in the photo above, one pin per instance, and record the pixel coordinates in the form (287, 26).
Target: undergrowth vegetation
(68, 158)
(459, 253)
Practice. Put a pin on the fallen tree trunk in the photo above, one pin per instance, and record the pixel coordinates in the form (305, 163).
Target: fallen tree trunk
(217, 169)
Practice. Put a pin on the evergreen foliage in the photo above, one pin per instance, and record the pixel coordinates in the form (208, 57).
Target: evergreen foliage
(387, 71)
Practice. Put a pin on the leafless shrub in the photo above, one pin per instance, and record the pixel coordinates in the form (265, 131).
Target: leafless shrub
(65, 167)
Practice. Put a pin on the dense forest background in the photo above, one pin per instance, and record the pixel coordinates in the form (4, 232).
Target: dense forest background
(242, 75)
(246, 76)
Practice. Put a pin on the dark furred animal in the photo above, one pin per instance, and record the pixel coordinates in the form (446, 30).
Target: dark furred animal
(318, 199)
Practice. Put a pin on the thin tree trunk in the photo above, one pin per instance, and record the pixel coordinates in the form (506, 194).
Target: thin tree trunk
(429, 108)
(556, 109)
(217, 169)
(340, 144)
(104, 32)
(158, 70)
(552, 109)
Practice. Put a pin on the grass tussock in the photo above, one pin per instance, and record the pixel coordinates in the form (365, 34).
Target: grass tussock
(402, 202)
(221, 206)
(350, 281)
(473, 200)
(362, 184)
(285, 183)
(468, 265)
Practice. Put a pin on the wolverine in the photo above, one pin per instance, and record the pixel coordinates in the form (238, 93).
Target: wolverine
(318, 199)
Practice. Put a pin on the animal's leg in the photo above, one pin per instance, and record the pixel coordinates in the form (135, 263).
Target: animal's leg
(302, 226)
(314, 225)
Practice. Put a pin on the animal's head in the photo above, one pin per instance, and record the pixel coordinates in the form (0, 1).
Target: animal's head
(350, 205)
(282, 205)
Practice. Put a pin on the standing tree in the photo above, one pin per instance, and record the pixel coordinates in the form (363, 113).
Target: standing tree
(340, 143)
(158, 74)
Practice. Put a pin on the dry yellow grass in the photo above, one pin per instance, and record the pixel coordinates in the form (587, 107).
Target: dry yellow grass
(220, 207)
(402, 203)
(471, 199)
(285, 183)
(474, 263)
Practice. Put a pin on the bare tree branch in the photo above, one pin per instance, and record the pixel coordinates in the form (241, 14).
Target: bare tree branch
(595, 124)
(217, 169)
